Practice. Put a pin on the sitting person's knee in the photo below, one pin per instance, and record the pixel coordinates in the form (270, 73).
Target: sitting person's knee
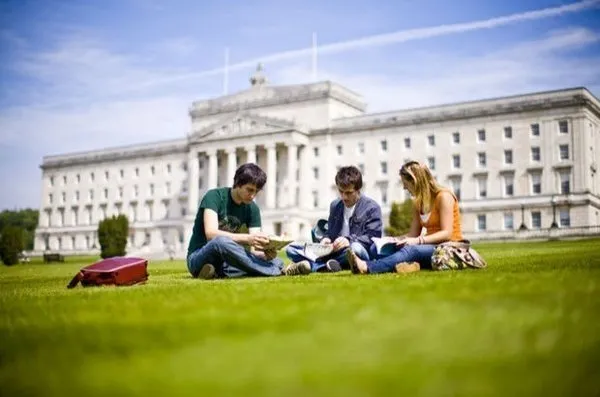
(221, 240)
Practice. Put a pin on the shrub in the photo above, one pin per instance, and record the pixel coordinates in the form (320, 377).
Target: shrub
(112, 235)
(400, 218)
(12, 243)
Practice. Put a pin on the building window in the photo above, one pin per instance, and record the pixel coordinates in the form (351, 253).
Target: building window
(316, 172)
(168, 168)
(122, 173)
(361, 147)
(508, 156)
(431, 140)
(509, 184)
(535, 153)
(455, 184)
(456, 137)
(135, 191)
(50, 198)
(563, 126)
(78, 178)
(383, 168)
(481, 135)
(481, 159)
(361, 167)
(509, 223)
(106, 176)
(339, 150)
(92, 177)
(536, 219)
(384, 146)
(536, 183)
(564, 152)
(431, 163)
(168, 187)
(52, 181)
(535, 129)
(407, 143)
(151, 189)
(63, 197)
(137, 172)
(508, 132)
(564, 217)
(481, 187)
(64, 180)
(91, 195)
(456, 160)
(315, 195)
(106, 193)
(384, 199)
(316, 151)
(481, 222)
(77, 196)
(565, 182)
(120, 193)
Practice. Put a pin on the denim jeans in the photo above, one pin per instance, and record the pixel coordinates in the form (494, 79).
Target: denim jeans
(407, 253)
(296, 254)
(231, 259)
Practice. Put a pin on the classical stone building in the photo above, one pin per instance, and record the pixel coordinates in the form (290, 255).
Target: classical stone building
(524, 162)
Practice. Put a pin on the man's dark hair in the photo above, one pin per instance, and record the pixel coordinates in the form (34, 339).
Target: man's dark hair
(349, 176)
(250, 173)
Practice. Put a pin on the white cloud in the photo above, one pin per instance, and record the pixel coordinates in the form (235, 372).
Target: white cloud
(443, 77)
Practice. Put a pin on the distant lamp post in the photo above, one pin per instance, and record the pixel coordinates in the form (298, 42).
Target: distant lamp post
(522, 227)
(554, 225)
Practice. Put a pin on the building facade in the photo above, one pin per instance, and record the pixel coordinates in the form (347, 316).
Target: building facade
(527, 162)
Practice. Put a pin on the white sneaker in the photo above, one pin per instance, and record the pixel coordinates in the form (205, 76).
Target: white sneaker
(293, 269)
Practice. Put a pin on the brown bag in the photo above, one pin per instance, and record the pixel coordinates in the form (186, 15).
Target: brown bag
(456, 255)
(112, 271)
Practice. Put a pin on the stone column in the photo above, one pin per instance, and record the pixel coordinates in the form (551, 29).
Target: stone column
(193, 174)
(251, 154)
(292, 166)
(231, 166)
(305, 192)
(271, 174)
(212, 168)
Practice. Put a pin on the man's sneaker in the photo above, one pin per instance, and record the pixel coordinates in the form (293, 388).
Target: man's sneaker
(293, 269)
(207, 272)
(333, 266)
(407, 267)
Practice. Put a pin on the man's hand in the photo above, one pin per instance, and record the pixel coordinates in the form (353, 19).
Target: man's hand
(325, 240)
(258, 240)
(340, 243)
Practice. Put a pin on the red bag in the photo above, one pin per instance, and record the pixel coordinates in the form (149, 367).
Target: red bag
(112, 271)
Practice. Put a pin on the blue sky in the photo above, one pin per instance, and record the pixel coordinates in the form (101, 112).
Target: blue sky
(81, 75)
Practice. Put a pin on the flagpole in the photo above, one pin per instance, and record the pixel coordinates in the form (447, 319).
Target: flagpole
(314, 56)
(226, 72)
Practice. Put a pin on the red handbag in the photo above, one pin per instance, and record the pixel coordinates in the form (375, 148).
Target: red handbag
(112, 271)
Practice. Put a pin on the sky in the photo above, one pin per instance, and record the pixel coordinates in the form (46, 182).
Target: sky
(79, 75)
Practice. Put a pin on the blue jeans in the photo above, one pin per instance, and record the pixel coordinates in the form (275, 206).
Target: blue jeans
(296, 254)
(407, 253)
(231, 259)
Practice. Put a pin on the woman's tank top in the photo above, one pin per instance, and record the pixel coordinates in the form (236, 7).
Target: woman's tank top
(432, 221)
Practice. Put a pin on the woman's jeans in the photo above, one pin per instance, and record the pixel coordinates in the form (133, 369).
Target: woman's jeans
(409, 253)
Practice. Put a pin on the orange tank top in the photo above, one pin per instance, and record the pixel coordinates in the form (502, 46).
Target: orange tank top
(432, 224)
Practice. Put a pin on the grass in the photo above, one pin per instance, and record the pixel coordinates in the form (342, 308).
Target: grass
(527, 325)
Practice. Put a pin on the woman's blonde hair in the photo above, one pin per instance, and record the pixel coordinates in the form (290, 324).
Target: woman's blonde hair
(425, 186)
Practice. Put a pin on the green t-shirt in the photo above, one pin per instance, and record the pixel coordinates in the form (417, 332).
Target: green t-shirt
(232, 216)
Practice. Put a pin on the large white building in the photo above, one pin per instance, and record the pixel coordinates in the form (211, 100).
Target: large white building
(517, 162)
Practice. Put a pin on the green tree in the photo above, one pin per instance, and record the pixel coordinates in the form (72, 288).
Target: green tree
(400, 218)
(112, 235)
(26, 219)
(11, 244)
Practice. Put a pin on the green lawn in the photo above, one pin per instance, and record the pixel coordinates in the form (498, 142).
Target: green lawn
(528, 325)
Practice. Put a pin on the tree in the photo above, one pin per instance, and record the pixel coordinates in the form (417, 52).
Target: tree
(112, 235)
(26, 219)
(400, 218)
(11, 244)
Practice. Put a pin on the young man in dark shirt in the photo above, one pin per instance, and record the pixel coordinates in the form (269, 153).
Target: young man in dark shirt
(353, 220)
(220, 247)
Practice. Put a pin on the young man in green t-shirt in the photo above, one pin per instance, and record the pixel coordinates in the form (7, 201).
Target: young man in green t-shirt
(219, 248)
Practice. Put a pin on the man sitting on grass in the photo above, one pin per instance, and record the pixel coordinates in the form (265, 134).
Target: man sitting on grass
(353, 220)
(218, 248)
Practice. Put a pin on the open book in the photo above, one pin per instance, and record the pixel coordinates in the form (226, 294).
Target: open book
(314, 251)
(275, 242)
(385, 245)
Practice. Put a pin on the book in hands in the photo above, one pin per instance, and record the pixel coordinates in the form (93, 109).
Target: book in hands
(276, 243)
(385, 245)
(314, 251)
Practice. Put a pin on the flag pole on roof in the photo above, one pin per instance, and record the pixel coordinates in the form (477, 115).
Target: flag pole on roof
(226, 72)
(314, 56)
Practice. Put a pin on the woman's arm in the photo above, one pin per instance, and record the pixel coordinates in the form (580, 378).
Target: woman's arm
(445, 204)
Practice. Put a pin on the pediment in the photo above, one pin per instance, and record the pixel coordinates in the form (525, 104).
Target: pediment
(242, 125)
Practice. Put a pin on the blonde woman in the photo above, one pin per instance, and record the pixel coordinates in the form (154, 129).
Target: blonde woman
(435, 208)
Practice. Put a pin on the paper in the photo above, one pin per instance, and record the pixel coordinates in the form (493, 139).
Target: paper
(276, 243)
(385, 245)
(314, 251)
